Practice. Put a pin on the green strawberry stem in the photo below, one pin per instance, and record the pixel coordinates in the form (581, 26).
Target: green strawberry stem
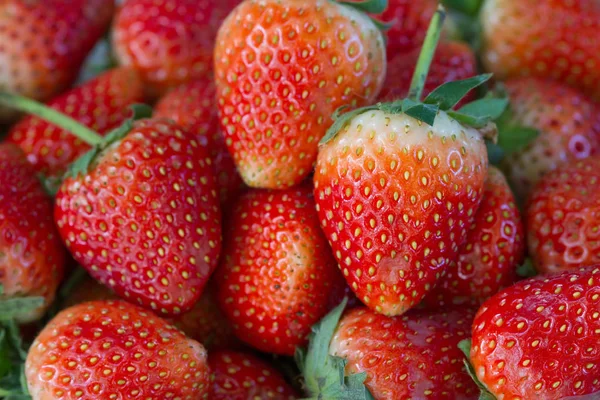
(427, 52)
(54, 117)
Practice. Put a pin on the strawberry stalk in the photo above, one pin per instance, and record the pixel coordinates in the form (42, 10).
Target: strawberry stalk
(54, 117)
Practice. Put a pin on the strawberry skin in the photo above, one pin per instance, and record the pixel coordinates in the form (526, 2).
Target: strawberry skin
(495, 247)
(100, 104)
(242, 376)
(32, 256)
(396, 198)
(115, 350)
(169, 42)
(538, 339)
(554, 39)
(568, 123)
(145, 220)
(282, 69)
(277, 273)
(193, 107)
(452, 61)
(414, 356)
(45, 42)
(562, 218)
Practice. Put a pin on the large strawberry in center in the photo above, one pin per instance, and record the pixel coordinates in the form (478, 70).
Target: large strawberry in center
(282, 68)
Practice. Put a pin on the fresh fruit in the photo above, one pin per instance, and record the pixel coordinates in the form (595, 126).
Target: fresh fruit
(168, 42)
(32, 256)
(277, 273)
(241, 376)
(495, 247)
(562, 218)
(538, 339)
(568, 125)
(414, 356)
(554, 39)
(113, 349)
(101, 104)
(193, 107)
(452, 61)
(45, 42)
(282, 69)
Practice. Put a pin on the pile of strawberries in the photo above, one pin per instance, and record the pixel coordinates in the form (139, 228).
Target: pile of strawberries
(285, 199)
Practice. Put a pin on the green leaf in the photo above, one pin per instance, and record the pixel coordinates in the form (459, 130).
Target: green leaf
(449, 94)
(11, 308)
(367, 6)
(526, 270)
(487, 107)
(423, 112)
(342, 119)
(514, 138)
(465, 346)
(495, 152)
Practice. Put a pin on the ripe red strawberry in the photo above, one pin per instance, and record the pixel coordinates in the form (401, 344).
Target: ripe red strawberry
(548, 38)
(452, 61)
(414, 356)
(494, 248)
(562, 218)
(282, 69)
(44, 43)
(113, 349)
(102, 104)
(538, 339)
(169, 42)
(193, 107)
(144, 217)
(241, 376)
(568, 124)
(277, 273)
(32, 257)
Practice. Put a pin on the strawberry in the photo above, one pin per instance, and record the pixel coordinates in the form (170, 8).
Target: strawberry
(414, 356)
(192, 107)
(548, 38)
(115, 350)
(562, 218)
(44, 43)
(494, 248)
(452, 61)
(538, 339)
(282, 69)
(169, 42)
(568, 125)
(241, 376)
(101, 104)
(32, 257)
(277, 271)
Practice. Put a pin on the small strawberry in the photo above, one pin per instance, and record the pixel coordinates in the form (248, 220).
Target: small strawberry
(282, 69)
(169, 42)
(44, 43)
(538, 339)
(193, 107)
(115, 350)
(554, 39)
(241, 376)
(494, 248)
(568, 125)
(140, 210)
(101, 104)
(414, 356)
(277, 273)
(563, 215)
(397, 186)
(32, 257)
(452, 61)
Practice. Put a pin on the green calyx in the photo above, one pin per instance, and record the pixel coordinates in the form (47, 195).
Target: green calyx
(324, 375)
(477, 114)
(370, 7)
(13, 384)
(465, 346)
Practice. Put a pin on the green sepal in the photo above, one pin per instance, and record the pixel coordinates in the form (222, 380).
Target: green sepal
(11, 308)
(1, 289)
(468, 7)
(469, 120)
(423, 112)
(367, 6)
(512, 138)
(49, 184)
(324, 375)
(495, 152)
(449, 94)
(13, 385)
(342, 119)
(491, 108)
(82, 164)
(465, 346)
(527, 269)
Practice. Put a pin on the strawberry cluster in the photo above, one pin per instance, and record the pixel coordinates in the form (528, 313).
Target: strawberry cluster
(284, 199)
